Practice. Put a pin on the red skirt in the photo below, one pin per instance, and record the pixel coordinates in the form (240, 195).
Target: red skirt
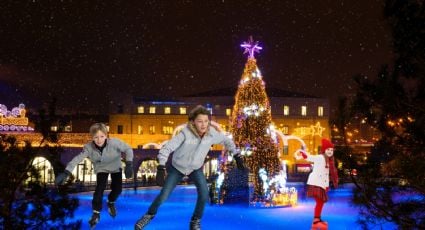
(317, 192)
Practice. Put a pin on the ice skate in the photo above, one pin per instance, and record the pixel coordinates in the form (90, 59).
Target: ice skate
(95, 218)
(142, 222)
(195, 224)
(111, 209)
(318, 224)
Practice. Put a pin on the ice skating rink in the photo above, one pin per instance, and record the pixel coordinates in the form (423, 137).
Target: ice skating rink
(176, 212)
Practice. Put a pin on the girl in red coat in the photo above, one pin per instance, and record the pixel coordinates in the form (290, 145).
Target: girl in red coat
(318, 181)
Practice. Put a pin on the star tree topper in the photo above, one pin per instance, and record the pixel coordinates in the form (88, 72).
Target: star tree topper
(251, 47)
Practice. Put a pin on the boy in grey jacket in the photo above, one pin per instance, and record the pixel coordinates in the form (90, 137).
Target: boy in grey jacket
(105, 154)
(190, 149)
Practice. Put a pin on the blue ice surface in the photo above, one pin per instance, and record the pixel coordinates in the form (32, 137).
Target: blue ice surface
(176, 212)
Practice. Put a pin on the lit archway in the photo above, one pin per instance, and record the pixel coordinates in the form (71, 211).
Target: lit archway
(286, 138)
(44, 169)
(84, 172)
(147, 172)
(151, 145)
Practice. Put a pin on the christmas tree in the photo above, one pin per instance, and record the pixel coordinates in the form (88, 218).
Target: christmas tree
(251, 125)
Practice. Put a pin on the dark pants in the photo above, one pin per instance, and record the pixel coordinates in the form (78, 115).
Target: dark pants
(102, 181)
(174, 177)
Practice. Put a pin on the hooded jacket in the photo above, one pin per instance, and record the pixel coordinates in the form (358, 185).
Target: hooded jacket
(190, 149)
(107, 161)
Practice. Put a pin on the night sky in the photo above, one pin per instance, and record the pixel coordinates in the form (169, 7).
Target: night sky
(91, 54)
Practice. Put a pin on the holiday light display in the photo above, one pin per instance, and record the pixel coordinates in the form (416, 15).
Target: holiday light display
(14, 120)
(256, 139)
(313, 130)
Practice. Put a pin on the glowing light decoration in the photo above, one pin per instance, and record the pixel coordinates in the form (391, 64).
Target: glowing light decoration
(251, 47)
(313, 130)
(14, 120)
(220, 179)
(275, 190)
(253, 110)
(272, 132)
(247, 151)
(254, 74)
(256, 140)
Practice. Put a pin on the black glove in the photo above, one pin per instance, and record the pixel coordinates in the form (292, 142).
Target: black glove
(160, 175)
(239, 161)
(128, 171)
(62, 177)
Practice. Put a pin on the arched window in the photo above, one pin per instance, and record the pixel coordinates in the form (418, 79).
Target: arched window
(84, 172)
(44, 169)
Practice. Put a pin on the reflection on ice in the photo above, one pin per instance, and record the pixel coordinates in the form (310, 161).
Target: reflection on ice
(176, 212)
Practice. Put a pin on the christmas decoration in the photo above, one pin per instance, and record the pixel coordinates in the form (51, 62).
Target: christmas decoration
(14, 120)
(264, 183)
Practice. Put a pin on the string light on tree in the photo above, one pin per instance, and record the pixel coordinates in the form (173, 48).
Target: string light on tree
(254, 135)
(253, 109)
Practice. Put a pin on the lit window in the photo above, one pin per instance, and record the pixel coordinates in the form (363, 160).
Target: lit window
(152, 109)
(54, 128)
(320, 111)
(68, 128)
(140, 109)
(228, 112)
(286, 110)
(182, 110)
(139, 129)
(167, 130)
(152, 129)
(303, 110)
(167, 110)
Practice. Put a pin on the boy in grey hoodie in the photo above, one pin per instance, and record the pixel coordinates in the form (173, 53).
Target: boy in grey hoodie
(105, 154)
(190, 149)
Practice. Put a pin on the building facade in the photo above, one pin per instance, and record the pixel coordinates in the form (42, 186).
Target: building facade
(297, 118)
(146, 123)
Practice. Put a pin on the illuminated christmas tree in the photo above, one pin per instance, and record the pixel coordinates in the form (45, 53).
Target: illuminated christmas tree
(263, 183)
(251, 125)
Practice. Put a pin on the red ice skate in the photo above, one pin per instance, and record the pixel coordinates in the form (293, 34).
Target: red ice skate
(318, 224)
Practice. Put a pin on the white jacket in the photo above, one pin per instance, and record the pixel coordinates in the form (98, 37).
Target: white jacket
(320, 174)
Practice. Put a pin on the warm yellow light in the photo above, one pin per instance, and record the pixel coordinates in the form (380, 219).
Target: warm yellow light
(285, 199)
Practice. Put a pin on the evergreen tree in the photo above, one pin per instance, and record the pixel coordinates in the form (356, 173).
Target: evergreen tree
(391, 186)
(26, 202)
(251, 120)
